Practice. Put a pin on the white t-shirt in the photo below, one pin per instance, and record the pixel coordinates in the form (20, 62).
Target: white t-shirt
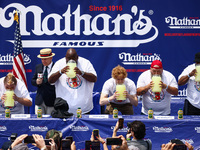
(193, 87)
(20, 91)
(76, 96)
(109, 88)
(160, 106)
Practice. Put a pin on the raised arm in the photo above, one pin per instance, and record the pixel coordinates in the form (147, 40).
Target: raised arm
(184, 79)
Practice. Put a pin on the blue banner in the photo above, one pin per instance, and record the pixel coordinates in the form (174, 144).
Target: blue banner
(129, 33)
(159, 131)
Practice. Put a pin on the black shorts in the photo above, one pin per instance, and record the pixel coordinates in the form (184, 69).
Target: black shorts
(189, 109)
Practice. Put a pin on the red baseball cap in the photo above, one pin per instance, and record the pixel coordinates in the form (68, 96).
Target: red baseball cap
(156, 64)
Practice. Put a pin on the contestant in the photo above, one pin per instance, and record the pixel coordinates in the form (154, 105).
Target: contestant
(76, 91)
(45, 96)
(21, 95)
(192, 102)
(159, 102)
(109, 94)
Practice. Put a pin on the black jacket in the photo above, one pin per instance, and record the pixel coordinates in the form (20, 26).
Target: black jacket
(45, 91)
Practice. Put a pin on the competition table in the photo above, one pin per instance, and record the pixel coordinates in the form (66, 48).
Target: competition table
(158, 130)
(176, 103)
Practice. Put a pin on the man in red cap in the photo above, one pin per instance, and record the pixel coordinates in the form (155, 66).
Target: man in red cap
(192, 102)
(158, 101)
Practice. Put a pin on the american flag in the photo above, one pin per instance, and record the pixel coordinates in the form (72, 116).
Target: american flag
(18, 62)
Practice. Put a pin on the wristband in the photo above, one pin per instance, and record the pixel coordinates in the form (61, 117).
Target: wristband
(188, 75)
(166, 87)
(108, 100)
(128, 139)
(44, 148)
(103, 142)
(60, 71)
(82, 73)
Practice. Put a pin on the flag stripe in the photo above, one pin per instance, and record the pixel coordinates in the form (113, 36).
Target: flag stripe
(19, 68)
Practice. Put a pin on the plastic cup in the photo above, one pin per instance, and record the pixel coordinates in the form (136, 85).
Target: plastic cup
(156, 80)
(9, 102)
(120, 88)
(71, 73)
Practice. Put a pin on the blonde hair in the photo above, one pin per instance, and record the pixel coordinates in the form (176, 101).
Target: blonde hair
(10, 79)
(119, 71)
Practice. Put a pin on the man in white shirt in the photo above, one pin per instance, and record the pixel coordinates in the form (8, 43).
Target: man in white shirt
(159, 102)
(76, 91)
(21, 95)
(192, 102)
(109, 94)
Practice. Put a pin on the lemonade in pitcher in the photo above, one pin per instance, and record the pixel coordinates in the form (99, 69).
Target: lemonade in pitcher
(71, 73)
(9, 102)
(197, 77)
(120, 88)
(156, 80)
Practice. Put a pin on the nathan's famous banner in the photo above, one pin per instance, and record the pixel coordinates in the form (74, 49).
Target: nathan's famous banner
(130, 33)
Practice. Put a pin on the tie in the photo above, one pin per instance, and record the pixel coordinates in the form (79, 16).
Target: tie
(45, 74)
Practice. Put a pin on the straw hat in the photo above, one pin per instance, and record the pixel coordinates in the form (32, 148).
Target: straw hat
(46, 53)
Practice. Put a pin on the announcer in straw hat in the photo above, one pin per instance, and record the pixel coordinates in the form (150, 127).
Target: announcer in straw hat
(45, 96)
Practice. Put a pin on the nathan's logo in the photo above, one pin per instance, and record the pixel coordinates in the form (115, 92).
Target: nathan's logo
(197, 86)
(8, 59)
(3, 128)
(79, 128)
(157, 96)
(197, 129)
(74, 83)
(190, 141)
(124, 129)
(138, 59)
(181, 94)
(75, 23)
(38, 128)
(183, 23)
(162, 129)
